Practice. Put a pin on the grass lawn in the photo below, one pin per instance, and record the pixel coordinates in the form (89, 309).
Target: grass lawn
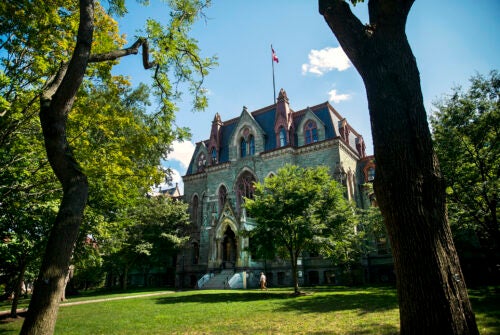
(324, 310)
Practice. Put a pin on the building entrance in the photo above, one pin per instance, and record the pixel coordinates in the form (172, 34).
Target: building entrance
(229, 248)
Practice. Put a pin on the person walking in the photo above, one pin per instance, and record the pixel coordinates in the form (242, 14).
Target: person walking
(263, 281)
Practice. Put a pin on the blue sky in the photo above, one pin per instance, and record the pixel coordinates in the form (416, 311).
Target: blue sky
(451, 40)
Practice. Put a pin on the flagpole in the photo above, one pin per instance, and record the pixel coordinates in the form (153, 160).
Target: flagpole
(272, 64)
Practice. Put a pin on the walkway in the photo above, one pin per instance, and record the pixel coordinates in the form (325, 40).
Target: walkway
(68, 303)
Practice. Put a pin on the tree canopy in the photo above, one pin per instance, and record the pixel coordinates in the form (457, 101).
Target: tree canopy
(300, 209)
(467, 140)
(56, 58)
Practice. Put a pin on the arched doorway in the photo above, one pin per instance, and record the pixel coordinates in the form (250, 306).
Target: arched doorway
(229, 248)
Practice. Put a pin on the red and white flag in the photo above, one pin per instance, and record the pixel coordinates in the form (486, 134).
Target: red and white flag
(275, 57)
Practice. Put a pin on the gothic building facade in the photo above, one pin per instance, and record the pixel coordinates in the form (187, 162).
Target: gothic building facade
(247, 149)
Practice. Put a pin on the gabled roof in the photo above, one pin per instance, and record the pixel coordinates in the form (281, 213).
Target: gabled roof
(265, 118)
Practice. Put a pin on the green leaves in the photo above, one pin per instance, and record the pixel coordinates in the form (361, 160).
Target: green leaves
(177, 56)
(467, 142)
(300, 209)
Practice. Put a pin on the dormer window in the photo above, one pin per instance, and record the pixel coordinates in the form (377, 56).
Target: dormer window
(282, 137)
(310, 132)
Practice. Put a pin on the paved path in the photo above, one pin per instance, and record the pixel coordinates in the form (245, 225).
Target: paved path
(69, 303)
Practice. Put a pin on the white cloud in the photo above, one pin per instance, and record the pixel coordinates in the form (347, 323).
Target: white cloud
(182, 152)
(336, 97)
(325, 60)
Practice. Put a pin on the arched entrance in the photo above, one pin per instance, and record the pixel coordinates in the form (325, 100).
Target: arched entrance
(229, 248)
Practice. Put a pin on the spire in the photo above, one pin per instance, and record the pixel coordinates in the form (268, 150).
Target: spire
(283, 117)
(282, 97)
(214, 142)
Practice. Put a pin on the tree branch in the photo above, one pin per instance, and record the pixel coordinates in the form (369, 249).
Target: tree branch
(389, 15)
(132, 50)
(350, 32)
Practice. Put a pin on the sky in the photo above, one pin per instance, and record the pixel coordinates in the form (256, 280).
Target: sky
(451, 40)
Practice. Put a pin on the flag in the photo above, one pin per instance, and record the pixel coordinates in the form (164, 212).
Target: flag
(275, 58)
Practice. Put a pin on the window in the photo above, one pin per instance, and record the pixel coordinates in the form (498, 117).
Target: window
(245, 187)
(282, 137)
(202, 162)
(214, 156)
(222, 197)
(243, 147)
(281, 278)
(371, 174)
(310, 132)
(382, 246)
(251, 142)
(195, 209)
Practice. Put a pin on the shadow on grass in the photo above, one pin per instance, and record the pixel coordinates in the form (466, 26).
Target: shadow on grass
(485, 302)
(384, 329)
(315, 300)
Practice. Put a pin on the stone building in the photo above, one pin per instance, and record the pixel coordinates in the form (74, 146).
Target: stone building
(249, 148)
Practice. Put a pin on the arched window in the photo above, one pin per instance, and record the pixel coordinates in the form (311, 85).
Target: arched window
(245, 187)
(195, 206)
(282, 137)
(222, 197)
(243, 147)
(214, 156)
(251, 143)
(310, 132)
(196, 253)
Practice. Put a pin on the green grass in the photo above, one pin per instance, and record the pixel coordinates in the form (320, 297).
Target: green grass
(336, 310)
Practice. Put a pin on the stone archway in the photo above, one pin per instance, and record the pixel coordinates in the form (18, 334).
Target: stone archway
(226, 245)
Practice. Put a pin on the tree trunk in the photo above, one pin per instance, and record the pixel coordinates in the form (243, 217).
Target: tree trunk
(56, 102)
(293, 260)
(409, 187)
(124, 278)
(17, 288)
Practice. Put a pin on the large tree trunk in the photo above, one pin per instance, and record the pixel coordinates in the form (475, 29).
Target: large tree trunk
(56, 103)
(409, 188)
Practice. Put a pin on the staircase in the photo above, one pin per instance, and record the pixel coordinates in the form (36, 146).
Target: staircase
(219, 281)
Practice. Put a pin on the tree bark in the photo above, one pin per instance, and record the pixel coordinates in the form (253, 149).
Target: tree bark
(409, 187)
(56, 102)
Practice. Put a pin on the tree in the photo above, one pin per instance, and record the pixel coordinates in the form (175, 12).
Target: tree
(409, 186)
(23, 232)
(297, 210)
(152, 232)
(35, 31)
(467, 141)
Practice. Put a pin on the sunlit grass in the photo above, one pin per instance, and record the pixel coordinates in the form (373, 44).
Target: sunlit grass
(332, 310)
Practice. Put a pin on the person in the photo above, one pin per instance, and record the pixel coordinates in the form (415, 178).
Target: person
(263, 281)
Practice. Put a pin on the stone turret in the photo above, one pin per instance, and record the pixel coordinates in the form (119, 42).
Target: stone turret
(215, 139)
(283, 119)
